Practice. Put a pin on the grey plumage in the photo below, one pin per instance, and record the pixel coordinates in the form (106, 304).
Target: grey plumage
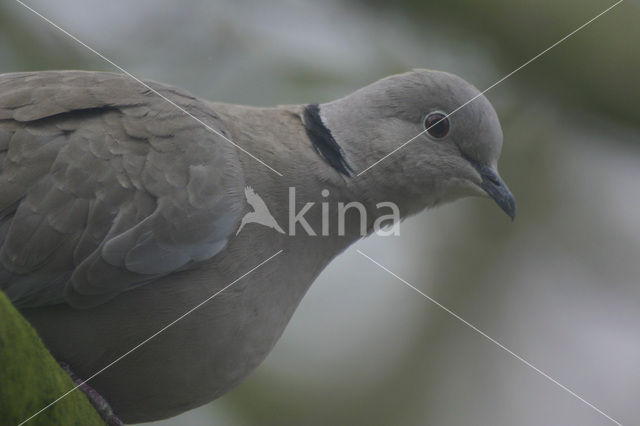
(107, 186)
(119, 213)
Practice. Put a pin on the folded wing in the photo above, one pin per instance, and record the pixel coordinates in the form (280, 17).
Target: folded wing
(105, 186)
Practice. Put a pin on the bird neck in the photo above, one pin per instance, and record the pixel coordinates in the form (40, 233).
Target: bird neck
(277, 137)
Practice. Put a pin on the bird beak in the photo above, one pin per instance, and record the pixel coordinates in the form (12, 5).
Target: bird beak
(495, 187)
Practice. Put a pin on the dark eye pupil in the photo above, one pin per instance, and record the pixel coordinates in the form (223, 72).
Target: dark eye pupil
(437, 125)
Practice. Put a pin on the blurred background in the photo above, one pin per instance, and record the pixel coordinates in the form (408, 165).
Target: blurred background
(560, 286)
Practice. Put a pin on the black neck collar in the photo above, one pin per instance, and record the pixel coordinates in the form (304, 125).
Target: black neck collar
(323, 141)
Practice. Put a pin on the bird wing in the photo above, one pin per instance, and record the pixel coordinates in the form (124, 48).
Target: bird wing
(105, 186)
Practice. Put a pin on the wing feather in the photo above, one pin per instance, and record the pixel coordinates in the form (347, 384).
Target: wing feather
(104, 186)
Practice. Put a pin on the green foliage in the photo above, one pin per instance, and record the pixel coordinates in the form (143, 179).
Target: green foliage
(30, 378)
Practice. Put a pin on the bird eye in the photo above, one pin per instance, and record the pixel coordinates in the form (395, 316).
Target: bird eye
(437, 125)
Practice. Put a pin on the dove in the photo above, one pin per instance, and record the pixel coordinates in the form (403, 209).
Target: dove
(121, 211)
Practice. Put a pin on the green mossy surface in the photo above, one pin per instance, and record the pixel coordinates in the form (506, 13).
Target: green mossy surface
(30, 378)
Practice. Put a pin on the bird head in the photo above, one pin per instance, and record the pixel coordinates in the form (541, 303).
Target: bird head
(409, 139)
